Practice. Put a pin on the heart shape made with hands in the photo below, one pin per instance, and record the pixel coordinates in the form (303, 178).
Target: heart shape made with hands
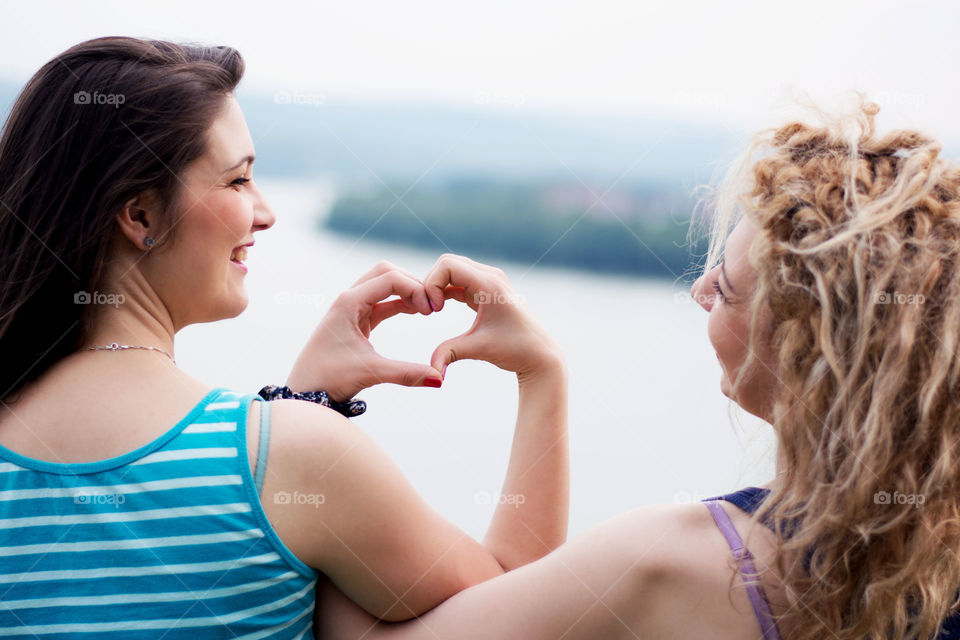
(401, 335)
(340, 358)
(503, 332)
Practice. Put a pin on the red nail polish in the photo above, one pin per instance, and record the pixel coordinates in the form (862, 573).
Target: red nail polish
(433, 382)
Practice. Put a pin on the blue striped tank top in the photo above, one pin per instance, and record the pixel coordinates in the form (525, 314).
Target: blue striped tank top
(169, 540)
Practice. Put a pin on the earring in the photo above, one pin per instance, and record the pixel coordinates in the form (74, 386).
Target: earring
(148, 241)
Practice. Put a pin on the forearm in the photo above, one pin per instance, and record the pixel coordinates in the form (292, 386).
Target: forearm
(592, 587)
(532, 514)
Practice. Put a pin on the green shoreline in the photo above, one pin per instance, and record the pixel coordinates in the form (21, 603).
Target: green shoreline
(507, 221)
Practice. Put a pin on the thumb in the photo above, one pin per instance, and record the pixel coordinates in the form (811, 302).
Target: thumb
(407, 374)
(462, 347)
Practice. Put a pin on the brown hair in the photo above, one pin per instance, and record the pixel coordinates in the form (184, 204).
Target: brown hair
(858, 264)
(106, 120)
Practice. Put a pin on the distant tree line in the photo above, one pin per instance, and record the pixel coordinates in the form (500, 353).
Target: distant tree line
(492, 219)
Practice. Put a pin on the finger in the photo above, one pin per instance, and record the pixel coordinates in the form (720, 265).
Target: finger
(460, 295)
(407, 374)
(455, 293)
(482, 266)
(463, 347)
(384, 310)
(390, 283)
(381, 268)
(459, 272)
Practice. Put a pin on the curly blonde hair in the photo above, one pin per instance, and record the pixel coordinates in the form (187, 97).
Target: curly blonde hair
(858, 262)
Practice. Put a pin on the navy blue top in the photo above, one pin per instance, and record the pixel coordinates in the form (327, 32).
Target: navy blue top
(751, 498)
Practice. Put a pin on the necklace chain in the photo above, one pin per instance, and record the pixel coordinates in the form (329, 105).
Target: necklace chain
(121, 347)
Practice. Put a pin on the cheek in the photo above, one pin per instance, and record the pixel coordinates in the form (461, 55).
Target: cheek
(728, 337)
(201, 246)
(217, 226)
(198, 251)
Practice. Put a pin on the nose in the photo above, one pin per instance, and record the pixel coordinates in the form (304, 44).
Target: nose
(263, 216)
(700, 294)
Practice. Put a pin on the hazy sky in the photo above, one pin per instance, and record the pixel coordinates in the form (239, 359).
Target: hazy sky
(730, 62)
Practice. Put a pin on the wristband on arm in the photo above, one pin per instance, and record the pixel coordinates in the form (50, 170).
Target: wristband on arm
(348, 408)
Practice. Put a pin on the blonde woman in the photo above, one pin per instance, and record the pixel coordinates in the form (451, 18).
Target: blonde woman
(835, 314)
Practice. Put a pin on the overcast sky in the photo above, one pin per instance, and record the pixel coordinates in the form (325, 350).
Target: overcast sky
(729, 62)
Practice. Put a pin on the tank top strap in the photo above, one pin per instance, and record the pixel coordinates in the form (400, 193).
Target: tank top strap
(263, 447)
(761, 608)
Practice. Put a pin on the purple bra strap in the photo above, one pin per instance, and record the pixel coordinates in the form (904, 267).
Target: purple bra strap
(761, 608)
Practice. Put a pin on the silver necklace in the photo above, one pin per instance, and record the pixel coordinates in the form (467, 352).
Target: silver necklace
(120, 347)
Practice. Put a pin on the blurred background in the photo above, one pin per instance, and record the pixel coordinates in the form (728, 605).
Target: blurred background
(561, 141)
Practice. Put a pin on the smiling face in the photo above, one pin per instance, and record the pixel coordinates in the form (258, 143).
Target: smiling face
(725, 292)
(199, 274)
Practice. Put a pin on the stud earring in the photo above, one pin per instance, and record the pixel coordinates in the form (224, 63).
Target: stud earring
(148, 241)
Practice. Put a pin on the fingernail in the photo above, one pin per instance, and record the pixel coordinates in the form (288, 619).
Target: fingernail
(433, 382)
(432, 307)
(443, 372)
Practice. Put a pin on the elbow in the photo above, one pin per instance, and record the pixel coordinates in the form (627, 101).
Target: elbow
(409, 608)
(400, 613)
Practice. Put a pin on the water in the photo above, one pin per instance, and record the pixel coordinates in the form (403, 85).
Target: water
(647, 420)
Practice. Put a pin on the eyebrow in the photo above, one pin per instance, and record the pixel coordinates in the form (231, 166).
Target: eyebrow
(724, 272)
(249, 159)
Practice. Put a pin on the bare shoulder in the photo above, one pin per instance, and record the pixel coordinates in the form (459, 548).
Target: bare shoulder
(663, 542)
(306, 441)
(301, 419)
(324, 480)
(682, 581)
(303, 435)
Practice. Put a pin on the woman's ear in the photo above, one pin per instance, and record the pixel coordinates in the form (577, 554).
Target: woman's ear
(139, 219)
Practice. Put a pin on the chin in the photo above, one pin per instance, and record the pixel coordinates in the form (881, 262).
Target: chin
(725, 385)
(239, 306)
(234, 307)
(751, 403)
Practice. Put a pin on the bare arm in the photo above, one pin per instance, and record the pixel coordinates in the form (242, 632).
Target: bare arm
(532, 513)
(372, 534)
(592, 587)
(662, 571)
(347, 510)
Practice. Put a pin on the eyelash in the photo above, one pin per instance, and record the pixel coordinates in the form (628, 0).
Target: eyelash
(241, 181)
(716, 287)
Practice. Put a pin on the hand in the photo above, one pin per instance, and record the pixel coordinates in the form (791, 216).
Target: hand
(339, 358)
(504, 332)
